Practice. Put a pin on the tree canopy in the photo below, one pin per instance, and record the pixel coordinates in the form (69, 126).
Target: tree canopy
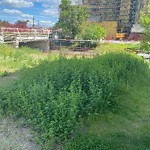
(17, 24)
(92, 31)
(71, 18)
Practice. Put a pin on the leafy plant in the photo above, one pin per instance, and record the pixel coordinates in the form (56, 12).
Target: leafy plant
(12, 59)
(145, 23)
(87, 142)
(55, 96)
(71, 18)
(92, 31)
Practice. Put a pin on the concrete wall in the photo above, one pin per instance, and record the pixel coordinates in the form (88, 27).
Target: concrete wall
(43, 45)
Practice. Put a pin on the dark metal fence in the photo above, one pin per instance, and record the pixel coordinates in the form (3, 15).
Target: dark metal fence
(75, 45)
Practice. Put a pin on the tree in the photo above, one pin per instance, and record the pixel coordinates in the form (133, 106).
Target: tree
(4, 23)
(20, 24)
(145, 23)
(92, 31)
(71, 18)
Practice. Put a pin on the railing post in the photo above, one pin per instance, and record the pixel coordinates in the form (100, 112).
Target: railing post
(19, 34)
(17, 43)
(2, 33)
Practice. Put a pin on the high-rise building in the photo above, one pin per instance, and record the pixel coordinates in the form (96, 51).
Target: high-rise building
(124, 12)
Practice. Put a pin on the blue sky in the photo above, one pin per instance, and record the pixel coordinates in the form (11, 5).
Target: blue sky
(46, 12)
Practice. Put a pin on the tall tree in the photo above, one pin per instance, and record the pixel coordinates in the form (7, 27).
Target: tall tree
(71, 18)
(20, 24)
(4, 23)
(145, 23)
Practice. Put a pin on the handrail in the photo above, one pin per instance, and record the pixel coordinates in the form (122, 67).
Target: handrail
(7, 34)
(5, 29)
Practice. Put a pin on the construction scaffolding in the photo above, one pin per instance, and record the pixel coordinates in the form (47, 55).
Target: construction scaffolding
(124, 12)
(101, 10)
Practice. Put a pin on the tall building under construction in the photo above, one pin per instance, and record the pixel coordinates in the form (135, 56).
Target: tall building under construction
(124, 12)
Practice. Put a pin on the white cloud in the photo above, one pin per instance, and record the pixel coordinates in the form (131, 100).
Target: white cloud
(52, 7)
(11, 11)
(48, 1)
(16, 3)
(57, 1)
(27, 16)
(46, 23)
(43, 21)
(53, 11)
(45, 5)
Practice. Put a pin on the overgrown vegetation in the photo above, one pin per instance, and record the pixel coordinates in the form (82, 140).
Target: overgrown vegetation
(71, 18)
(113, 47)
(127, 129)
(12, 59)
(145, 22)
(92, 31)
(55, 97)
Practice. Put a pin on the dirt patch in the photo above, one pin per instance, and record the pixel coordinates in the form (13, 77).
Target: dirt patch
(13, 135)
(16, 137)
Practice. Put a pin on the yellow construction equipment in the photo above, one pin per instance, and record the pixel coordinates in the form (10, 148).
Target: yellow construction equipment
(120, 35)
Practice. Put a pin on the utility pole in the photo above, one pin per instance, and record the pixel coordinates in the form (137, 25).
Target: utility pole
(38, 23)
(33, 22)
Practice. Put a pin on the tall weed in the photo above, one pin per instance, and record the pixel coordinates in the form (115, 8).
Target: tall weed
(55, 96)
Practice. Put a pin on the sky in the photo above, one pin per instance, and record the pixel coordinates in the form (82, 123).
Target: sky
(45, 12)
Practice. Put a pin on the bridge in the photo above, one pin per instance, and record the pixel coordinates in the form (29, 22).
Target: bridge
(34, 38)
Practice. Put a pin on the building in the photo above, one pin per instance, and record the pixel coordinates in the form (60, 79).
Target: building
(124, 12)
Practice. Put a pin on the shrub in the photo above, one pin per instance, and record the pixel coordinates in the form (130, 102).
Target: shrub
(145, 23)
(92, 31)
(56, 96)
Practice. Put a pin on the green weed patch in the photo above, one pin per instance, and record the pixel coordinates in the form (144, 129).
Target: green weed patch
(12, 59)
(56, 96)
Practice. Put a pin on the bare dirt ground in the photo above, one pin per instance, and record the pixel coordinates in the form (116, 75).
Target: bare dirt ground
(14, 135)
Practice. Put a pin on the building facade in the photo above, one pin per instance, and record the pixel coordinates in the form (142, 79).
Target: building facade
(124, 12)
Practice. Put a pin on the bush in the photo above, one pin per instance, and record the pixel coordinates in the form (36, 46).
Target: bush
(56, 96)
(145, 23)
(92, 31)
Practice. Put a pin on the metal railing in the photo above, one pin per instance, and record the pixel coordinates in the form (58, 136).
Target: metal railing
(8, 35)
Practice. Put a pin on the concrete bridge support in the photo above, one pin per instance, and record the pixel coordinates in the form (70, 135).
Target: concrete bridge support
(43, 45)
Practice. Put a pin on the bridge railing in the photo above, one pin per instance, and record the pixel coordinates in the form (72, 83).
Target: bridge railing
(19, 34)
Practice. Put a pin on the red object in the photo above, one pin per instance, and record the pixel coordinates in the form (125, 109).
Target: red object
(135, 37)
(109, 38)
